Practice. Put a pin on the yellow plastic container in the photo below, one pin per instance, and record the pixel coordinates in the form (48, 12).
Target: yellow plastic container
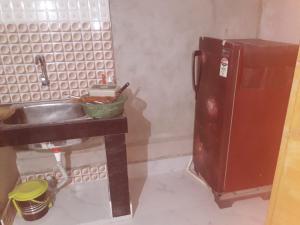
(31, 199)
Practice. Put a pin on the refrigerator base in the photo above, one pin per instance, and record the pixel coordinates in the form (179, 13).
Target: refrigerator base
(225, 200)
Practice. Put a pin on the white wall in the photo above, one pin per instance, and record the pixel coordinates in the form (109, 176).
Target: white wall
(280, 20)
(154, 41)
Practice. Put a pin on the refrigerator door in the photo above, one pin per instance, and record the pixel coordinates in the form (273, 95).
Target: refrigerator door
(214, 97)
(261, 99)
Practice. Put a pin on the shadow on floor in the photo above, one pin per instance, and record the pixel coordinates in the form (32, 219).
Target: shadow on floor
(137, 139)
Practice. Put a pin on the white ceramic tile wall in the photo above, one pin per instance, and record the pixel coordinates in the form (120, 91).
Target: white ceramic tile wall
(77, 175)
(20, 11)
(77, 47)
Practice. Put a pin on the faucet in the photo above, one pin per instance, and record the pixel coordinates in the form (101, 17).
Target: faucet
(39, 59)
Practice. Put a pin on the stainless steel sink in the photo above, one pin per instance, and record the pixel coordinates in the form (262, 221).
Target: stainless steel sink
(45, 113)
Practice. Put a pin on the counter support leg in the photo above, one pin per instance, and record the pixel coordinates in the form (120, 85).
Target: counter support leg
(117, 174)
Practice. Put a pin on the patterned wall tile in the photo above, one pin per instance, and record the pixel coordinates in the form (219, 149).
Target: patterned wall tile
(75, 38)
(78, 55)
(77, 175)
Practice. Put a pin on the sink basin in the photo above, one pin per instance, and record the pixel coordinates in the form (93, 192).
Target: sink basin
(44, 113)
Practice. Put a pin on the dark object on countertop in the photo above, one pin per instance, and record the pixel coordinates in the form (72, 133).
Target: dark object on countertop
(122, 88)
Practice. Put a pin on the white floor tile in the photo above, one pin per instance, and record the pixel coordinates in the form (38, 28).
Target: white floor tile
(174, 198)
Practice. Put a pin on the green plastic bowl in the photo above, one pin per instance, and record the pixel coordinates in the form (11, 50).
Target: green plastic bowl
(107, 110)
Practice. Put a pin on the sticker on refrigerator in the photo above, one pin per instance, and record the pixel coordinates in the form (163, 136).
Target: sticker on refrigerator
(223, 67)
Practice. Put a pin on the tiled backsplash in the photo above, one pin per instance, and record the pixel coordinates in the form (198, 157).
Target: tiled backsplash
(77, 54)
(77, 175)
(19, 11)
(78, 51)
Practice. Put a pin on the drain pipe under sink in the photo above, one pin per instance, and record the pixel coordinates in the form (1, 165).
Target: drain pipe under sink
(57, 154)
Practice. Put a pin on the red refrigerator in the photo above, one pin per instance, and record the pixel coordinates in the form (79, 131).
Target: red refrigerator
(242, 89)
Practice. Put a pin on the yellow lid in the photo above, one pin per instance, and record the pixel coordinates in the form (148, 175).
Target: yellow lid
(29, 190)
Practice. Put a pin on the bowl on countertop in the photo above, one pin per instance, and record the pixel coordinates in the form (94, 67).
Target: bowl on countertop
(105, 110)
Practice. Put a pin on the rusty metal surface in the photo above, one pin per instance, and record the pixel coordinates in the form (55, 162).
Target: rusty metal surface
(239, 118)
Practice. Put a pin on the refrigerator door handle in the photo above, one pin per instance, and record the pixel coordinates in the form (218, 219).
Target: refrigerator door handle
(196, 77)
